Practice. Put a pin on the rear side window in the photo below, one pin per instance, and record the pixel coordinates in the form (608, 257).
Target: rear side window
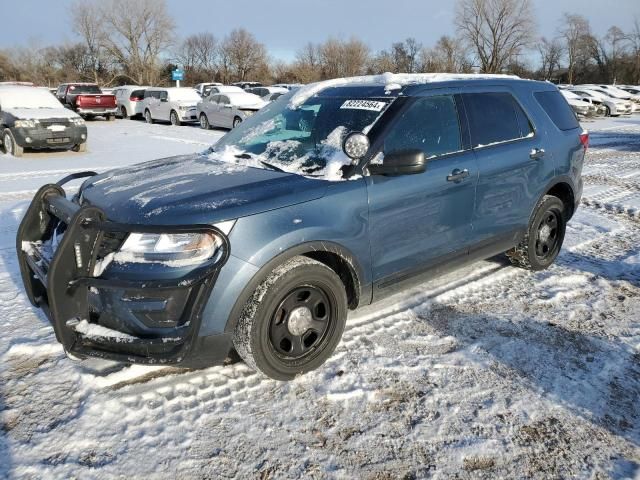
(139, 94)
(495, 117)
(430, 124)
(558, 109)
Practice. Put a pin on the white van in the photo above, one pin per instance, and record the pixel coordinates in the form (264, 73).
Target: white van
(174, 105)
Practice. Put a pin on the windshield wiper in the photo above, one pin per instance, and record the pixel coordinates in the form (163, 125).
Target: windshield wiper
(272, 167)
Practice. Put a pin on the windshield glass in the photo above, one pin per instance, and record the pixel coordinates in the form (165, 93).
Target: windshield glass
(27, 97)
(184, 95)
(82, 89)
(305, 139)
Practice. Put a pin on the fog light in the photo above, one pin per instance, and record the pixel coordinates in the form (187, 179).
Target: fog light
(28, 140)
(83, 136)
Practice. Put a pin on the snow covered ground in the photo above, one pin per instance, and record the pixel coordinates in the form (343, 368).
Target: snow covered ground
(489, 372)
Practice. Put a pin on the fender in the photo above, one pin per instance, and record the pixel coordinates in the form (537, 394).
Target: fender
(569, 182)
(363, 291)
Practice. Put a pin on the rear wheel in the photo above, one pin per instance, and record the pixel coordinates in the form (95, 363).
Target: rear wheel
(543, 240)
(10, 145)
(123, 112)
(147, 117)
(204, 122)
(236, 121)
(294, 320)
(111, 118)
(607, 111)
(81, 147)
(174, 119)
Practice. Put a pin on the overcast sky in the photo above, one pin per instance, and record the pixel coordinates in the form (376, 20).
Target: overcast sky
(285, 25)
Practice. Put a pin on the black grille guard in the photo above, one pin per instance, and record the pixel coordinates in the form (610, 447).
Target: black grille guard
(60, 285)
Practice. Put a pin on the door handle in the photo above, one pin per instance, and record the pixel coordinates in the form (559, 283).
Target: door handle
(536, 153)
(456, 175)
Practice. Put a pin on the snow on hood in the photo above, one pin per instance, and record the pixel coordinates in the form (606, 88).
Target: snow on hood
(40, 113)
(392, 81)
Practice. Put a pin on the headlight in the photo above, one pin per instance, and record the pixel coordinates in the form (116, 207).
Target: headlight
(174, 249)
(183, 108)
(26, 123)
(77, 121)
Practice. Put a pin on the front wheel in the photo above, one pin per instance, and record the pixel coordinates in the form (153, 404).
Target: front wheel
(80, 147)
(236, 121)
(543, 239)
(10, 145)
(607, 111)
(293, 321)
(123, 112)
(174, 119)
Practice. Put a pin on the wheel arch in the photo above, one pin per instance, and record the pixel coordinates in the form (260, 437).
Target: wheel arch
(333, 255)
(564, 191)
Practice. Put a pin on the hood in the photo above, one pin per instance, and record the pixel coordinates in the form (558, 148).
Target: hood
(256, 105)
(193, 189)
(40, 113)
(187, 103)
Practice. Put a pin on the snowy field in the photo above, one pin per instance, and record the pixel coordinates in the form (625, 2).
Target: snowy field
(491, 372)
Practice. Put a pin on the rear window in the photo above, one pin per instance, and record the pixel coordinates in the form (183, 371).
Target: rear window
(495, 117)
(139, 94)
(558, 109)
(82, 89)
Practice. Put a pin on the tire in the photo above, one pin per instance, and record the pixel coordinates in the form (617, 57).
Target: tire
(204, 122)
(10, 145)
(147, 117)
(174, 119)
(236, 121)
(123, 112)
(277, 334)
(543, 239)
(80, 148)
(111, 118)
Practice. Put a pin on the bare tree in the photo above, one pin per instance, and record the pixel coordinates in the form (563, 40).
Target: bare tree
(576, 33)
(634, 43)
(307, 66)
(199, 55)
(355, 56)
(550, 55)
(448, 55)
(136, 38)
(241, 55)
(496, 30)
(86, 22)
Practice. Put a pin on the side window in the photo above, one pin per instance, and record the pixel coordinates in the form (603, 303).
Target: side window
(224, 100)
(164, 95)
(61, 90)
(214, 98)
(148, 93)
(495, 117)
(558, 109)
(430, 124)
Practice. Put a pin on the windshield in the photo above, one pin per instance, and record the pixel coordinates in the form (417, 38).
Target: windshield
(305, 139)
(27, 97)
(82, 89)
(184, 95)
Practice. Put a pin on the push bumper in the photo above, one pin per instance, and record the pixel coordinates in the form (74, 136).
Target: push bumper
(44, 138)
(97, 111)
(150, 321)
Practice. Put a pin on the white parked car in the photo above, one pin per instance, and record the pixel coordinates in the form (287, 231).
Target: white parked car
(289, 86)
(223, 89)
(204, 88)
(174, 105)
(228, 110)
(129, 99)
(613, 93)
(268, 94)
(579, 106)
(613, 106)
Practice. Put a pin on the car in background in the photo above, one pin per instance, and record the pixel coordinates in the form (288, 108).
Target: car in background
(289, 86)
(266, 93)
(129, 100)
(223, 89)
(228, 110)
(613, 107)
(579, 106)
(612, 93)
(174, 105)
(245, 85)
(87, 100)
(31, 117)
(204, 88)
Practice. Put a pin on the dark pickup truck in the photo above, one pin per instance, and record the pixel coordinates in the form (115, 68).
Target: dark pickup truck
(87, 100)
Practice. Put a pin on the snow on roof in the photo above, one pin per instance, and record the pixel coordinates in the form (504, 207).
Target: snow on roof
(392, 81)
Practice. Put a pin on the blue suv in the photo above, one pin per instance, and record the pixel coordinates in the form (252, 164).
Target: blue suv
(330, 198)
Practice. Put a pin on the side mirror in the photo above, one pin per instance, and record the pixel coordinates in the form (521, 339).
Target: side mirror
(164, 100)
(403, 162)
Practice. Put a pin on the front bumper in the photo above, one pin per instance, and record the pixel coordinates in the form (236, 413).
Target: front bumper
(42, 137)
(190, 115)
(122, 317)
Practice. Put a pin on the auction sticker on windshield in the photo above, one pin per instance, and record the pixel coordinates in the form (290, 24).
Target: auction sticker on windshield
(364, 105)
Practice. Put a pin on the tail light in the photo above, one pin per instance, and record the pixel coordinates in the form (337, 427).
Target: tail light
(134, 99)
(584, 140)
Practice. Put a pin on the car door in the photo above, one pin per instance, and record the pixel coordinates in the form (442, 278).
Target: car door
(225, 112)
(210, 107)
(164, 106)
(513, 162)
(419, 221)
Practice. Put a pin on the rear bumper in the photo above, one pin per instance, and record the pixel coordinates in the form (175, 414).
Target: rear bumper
(152, 320)
(97, 111)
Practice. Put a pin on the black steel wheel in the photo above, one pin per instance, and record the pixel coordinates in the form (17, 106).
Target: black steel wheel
(294, 320)
(543, 240)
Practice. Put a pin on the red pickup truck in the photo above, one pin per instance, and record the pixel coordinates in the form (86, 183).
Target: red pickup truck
(87, 100)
